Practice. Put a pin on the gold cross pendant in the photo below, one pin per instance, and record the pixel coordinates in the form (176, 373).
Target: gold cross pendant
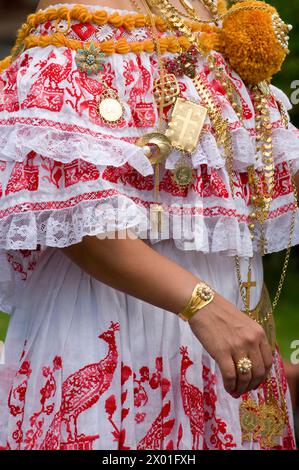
(247, 286)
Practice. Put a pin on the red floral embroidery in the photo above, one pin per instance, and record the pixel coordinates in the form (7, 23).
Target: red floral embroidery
(215, 428)
(143, 112)
(158, 431)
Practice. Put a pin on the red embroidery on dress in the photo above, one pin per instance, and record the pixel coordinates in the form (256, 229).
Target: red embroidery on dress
(45, 92)
(9, 100)
(84, 30)
(192, 398)
(215, 428)
(282, 180)
(24, 176)
(47, 395)
(81, 391)
(143, 112)
(79, 171)
(159, 430)
(57, 205)
(17, 267)
(126, 174)
(84, 90)
(16, 400)
(118, 434)
(210, 184)
(130, 68)
(54, 170)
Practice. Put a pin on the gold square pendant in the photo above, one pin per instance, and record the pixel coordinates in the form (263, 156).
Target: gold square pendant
(186, 124)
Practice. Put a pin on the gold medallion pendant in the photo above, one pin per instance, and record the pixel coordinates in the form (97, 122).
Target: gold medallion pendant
(171, 90)
(110, 109)
(183, 173)
(186, 124)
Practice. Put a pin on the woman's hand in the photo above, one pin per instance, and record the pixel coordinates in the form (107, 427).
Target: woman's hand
(228, 335)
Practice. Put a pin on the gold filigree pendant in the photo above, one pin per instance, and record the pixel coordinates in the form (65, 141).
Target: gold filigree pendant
(186, 124)
(263, 423)
(171, 90)
(272, 422)
(249, 420)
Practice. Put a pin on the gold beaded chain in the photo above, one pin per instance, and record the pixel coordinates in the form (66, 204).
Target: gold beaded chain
(191, 13)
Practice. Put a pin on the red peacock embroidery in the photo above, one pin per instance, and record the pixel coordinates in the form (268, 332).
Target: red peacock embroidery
(45, 92)
(192, 398)
(81, 391)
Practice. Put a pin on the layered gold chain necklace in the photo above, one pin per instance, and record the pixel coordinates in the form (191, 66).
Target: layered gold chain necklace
(264, 422)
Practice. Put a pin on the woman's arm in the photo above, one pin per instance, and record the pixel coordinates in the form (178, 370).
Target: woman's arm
(131, 266)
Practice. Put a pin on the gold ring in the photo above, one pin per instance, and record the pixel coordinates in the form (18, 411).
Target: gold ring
(244, 365)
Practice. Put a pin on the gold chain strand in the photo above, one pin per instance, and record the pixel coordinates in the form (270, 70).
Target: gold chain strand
(191, 13)
(284, 268)
(173, 18)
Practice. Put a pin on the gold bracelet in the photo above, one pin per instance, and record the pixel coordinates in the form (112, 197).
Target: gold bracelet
(201, 296)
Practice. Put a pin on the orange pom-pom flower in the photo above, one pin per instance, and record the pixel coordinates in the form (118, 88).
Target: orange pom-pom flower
(254, 40)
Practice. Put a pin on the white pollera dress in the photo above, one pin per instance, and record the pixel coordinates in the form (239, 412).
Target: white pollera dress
(88, 367)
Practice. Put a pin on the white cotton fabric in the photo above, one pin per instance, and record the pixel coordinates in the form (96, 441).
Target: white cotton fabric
(63, 311)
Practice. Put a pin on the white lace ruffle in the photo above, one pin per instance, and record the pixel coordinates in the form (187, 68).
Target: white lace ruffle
(17, 140)
(60, 228)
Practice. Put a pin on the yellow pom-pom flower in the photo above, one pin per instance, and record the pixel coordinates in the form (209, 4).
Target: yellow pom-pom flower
(251, 40)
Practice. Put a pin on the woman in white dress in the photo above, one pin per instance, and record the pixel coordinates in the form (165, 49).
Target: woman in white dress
(96, 356)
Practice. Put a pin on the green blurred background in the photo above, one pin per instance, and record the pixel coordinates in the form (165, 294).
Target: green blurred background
(287, 317)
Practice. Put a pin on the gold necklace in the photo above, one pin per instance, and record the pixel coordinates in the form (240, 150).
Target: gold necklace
(191, 13)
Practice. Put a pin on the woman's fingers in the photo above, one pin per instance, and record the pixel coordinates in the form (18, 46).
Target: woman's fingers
(267, 355)
(258, 371)
(228, 372)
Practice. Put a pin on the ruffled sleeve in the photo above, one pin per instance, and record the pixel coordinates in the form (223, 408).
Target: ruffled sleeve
(54, 149)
